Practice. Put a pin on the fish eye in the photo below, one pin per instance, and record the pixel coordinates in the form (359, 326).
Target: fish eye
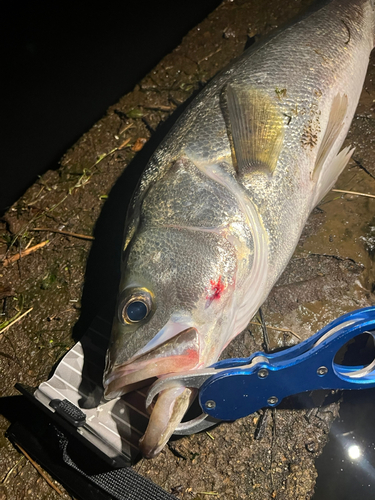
(136, 307)
(136, 311)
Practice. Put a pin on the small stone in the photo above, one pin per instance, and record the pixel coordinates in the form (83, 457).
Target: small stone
(311, 446)
(229, 33)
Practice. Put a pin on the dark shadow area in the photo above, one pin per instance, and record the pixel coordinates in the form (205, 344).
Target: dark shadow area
(65, 63)
(98, 307)
(83, 473)
(346, 468)
(309, 400)
(358, 351)
(14, 408)
(25, 413)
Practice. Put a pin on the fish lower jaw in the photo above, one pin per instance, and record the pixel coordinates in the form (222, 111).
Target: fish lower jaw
(180, 353)
(124, 380)
(121, 386)
(129, 378)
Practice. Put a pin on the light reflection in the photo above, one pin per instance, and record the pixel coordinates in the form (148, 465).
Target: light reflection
(354, 452)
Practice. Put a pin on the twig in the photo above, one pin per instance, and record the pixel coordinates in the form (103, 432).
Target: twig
(101, 157)
(205, 58)
(30, 250)
(210, 436)
(160, 108)
(127, 127)
(214, 493)
(67, 233)
(33, 219)
(353, 192)
(262, 424)
(124, 143)
(40, 470)
(7, 324)
(278, 329)
(51, 209)
(29, 243)
(37, 197)
(266, 338)
(105, 155)
(359, 164)
(10, 471)
(82, 181)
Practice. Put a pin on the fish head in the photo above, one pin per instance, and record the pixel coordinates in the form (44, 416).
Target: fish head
(175, 294)
(175, 297)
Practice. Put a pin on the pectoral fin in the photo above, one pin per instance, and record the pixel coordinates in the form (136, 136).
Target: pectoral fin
(257, 129)
(325, 173)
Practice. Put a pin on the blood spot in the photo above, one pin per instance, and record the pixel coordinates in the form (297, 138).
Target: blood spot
(215, 291)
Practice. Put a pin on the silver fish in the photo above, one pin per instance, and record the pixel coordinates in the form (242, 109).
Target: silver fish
(222, 203)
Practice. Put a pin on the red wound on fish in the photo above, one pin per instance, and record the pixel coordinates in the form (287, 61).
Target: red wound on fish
(216, 289)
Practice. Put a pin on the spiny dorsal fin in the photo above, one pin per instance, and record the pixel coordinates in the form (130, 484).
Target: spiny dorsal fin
(257, 128)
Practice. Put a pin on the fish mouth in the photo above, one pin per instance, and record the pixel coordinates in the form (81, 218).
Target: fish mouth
(179, 353)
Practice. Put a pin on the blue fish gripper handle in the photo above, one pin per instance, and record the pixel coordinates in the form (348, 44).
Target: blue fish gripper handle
(245, 385)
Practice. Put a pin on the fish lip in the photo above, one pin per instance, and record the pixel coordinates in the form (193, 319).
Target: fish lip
(137, 357)
(146, 366)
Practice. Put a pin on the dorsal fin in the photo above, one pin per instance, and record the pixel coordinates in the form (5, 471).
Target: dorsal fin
(257, 128)
(326, 182)
(325, 174)
(334, 126)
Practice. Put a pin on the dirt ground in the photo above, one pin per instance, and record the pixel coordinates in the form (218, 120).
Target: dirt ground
(60, 286)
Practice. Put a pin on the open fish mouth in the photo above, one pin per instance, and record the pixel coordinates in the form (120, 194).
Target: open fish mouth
(179, 353)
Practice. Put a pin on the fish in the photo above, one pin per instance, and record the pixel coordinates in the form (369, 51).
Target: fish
(221, 205)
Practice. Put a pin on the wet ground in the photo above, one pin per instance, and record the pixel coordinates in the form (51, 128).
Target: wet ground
(60, 286)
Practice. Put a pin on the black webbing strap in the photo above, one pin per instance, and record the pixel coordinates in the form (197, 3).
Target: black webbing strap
(84, 473)
(121, 484)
